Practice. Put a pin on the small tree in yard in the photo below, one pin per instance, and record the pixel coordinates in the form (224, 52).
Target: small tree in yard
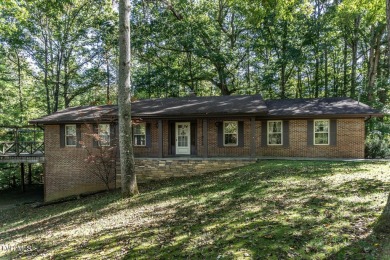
(103, 159)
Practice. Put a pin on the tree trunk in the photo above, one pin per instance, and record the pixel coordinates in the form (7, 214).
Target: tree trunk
(19, 82)
(326, 73)
(108, 78)
(29, 175)
(383, 224)
(283, 77)
(22, 177)
(373, 61)
(317, 77)
(58, 78)
(46, 83)
(355, 42)
(298, 93)
(128, 177)
(345, 68)
(388, 32)
(283, 82)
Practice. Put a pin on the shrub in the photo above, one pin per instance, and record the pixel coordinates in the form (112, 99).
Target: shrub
(377, 145)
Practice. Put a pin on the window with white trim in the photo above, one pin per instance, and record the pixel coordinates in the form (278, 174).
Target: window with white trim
(230, 133)
(275, 130)
(139, 134)
(104, 134)
(70, 135)
(321, 132)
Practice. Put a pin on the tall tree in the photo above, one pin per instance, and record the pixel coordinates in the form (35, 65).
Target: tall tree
(383, 224)
(128, 177)
(388, 33)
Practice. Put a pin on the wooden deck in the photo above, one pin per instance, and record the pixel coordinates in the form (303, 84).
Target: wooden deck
(22, 159)
(21, 144)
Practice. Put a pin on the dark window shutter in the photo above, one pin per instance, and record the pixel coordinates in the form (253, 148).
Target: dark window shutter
(148, 135)
(220, 134)
(264, 133)
(78, 135)
(95, 142)
(113, 137)
(310, 132)
(62, 136)
(240, 134)
(333, 132)
(286, 133)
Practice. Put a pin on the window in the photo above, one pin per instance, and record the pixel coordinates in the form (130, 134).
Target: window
(275, 129)
(321, 132)
(230, 133)
(139, 134)
(104, 134)
(70, 135)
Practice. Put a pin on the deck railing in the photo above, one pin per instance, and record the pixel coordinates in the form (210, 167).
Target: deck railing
(22, 148)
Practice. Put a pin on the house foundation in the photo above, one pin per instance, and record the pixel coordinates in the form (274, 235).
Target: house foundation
(148, 169)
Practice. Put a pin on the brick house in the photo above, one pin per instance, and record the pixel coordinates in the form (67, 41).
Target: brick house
(191, 135)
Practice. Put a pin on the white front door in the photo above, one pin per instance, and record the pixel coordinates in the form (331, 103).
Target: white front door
(183, 138)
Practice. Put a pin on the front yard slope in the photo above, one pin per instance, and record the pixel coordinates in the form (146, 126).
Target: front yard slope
(268, 210)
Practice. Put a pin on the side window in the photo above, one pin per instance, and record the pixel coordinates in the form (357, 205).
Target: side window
(104, 134)
(321, 132)
(139, 134)
(70, 135)
(230, 133)
(275, 132)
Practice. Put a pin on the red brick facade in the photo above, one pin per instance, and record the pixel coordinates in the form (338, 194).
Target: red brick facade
(67, 173)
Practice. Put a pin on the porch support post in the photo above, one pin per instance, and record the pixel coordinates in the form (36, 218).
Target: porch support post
(205, 139)
(29, 175)
(160, 138)
(253, 137)
(22, 176)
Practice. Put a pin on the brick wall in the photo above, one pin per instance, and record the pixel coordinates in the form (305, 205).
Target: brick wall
(67, 173)
(350, 141)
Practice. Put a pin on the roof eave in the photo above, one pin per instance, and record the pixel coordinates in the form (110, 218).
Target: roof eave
(211, 115)
(369, 115)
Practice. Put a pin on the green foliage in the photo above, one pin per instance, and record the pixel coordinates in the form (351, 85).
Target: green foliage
(378, 138)
(281, 49)
(377, 145)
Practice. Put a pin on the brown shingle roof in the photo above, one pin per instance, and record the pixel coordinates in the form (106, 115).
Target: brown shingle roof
(164, 108)
(79, 115)
(217, 106)
(200, 106)
(338, 106)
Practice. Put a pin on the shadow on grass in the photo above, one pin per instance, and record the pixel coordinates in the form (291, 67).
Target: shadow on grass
(272, 210)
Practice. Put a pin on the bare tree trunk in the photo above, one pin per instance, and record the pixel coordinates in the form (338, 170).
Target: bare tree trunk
(128, 177)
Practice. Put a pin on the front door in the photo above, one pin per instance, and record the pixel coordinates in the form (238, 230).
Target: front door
(183, 137)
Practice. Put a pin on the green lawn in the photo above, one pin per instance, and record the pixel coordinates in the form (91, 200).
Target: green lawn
(268, 210)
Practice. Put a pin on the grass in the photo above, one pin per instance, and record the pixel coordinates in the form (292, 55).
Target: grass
(268, 210)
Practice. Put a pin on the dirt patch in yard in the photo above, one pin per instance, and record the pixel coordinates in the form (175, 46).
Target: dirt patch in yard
(11, 198)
